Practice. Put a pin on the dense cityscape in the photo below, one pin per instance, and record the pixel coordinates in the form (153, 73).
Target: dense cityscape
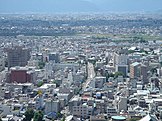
(81, 67)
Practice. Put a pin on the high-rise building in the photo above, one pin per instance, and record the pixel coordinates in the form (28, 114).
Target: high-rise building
(120, 59)
(144, 74)
(17, 56)
(139, 71)
(134, 70)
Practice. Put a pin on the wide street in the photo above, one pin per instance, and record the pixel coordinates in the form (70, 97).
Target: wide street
(91, 75)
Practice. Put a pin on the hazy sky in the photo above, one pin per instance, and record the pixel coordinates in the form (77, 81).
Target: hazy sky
(51, 6)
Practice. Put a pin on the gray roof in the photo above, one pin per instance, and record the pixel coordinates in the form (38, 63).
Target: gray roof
(149, 117)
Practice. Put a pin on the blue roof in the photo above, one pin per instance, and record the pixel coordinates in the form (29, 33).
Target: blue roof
(52, 114)
(118, 117)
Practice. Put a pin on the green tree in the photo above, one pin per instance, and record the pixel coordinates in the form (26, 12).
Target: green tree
(111, 75)
(118, 74)
(63, 119)
(130, 51)
(41, 65)
(134, 119)
(29, 114)
(38, 116)
(40, 83)
(59, 115)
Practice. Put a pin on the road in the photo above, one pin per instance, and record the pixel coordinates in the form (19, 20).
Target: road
(91, 75)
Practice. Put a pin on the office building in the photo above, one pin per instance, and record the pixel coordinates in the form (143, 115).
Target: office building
(134, 70)
(17, 56)
(120, 59)
(139, 71)
(20, 75)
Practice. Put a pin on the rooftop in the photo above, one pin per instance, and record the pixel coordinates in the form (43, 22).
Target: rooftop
(118, 117)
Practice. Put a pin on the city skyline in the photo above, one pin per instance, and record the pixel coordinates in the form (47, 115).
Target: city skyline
(80, 60)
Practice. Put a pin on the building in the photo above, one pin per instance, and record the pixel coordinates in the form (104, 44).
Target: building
(97, 118)
(99, 64)
(2, 63)
(118, 118)
(122, 104)
(83, 111)
(17, 56)
(52, 106)
(99, 81)
(54, 57)
(123, 69)
(134, 70)
(139, 71)
(149, 117)
(20, 75)
(144, 74)
(37, 56)
(120, 59)
(5, 110)
(39, 101)
(111, 111)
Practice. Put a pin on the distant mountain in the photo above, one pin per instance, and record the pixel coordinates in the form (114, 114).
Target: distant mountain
(159, 11)
(51, 6)
(128, 5)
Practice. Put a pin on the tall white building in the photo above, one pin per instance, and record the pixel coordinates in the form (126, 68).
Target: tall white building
(120, 59)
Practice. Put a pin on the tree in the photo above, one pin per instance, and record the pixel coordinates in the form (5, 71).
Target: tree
(134, 119)
(29, 114)
(40, 83)
(59, 115)
(131, 51)
(41, 65)
(63, 119)
(0, 119)
(118, 74)
(38, 116)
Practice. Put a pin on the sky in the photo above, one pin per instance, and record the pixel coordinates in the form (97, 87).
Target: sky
(65, 6)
